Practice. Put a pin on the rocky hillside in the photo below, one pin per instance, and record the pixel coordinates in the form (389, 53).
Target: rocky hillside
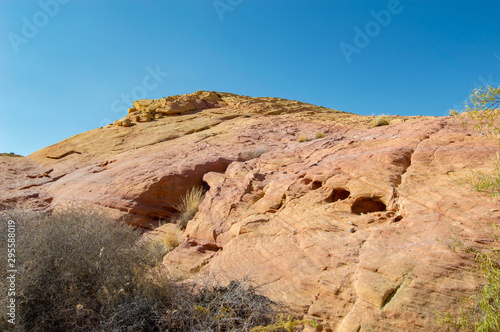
(348, 224)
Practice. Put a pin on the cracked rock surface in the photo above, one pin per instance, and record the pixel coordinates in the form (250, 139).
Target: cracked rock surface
(350, 229)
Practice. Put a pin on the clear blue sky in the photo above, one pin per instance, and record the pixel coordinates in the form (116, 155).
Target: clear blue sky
(65, 64)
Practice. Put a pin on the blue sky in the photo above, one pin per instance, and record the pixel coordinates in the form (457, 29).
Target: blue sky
(66, 64)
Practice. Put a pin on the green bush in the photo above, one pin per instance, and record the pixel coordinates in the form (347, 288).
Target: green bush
(481, 311)
(483, 109)
(486, 183)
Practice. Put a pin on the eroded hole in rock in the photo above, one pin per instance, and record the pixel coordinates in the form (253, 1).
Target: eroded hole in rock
(398, 218)
(390, 214)
(338, 194)
(367, 205)
(316, 185)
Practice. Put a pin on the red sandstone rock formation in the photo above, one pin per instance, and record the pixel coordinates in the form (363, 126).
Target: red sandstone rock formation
(351, 230)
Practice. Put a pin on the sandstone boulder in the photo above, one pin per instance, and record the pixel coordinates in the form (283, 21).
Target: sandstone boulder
(142, 105)
(144, 117)
(125, 122)
(174, 105)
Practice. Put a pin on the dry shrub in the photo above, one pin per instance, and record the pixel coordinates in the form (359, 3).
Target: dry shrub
(255, 153)
(320, 135)
(71, 265)
(80, 271)
(165, 306)
(235, 307)
(189, 205)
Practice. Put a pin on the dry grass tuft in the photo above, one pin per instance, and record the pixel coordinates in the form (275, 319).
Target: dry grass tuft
(189, 205)
(320, 135)
(304, 138)
(167, 237)
(381, 120)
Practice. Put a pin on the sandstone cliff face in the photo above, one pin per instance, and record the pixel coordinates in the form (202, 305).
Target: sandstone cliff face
(351, 229)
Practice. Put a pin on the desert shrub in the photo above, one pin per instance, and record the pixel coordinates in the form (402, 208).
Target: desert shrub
(189, 205)
(79, 271)
(483, 109)
(381, 120)
(486, 314)
(320, 134)
(453, 112)
(255, 153)
(482, 182)
(71, 265)
(133, 313)
(164, 306)
(481, 311)
(235, 307)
